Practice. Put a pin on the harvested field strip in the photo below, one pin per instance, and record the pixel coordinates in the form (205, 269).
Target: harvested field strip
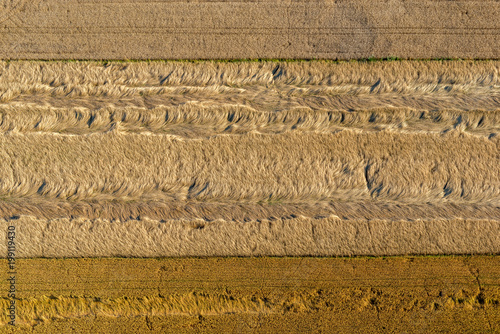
(369, 294)
(351, 165)
(299, 236)
(232, 29)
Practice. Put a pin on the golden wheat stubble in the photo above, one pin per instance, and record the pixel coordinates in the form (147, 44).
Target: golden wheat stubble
(264, 294)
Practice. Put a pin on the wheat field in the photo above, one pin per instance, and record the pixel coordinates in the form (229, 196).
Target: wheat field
(166, 147)
(178, 196)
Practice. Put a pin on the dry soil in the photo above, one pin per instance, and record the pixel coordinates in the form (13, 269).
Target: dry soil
(207, 29)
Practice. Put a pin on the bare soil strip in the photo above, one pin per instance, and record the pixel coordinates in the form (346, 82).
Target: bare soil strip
(207, 29)
(250, 158)
(336, 295)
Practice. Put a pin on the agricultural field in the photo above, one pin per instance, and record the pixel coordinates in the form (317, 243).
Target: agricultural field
(258, 295)
(263, 166)
(255, 29)
(240, 196)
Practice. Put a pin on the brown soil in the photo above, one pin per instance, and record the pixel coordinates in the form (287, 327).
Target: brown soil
(206, 29)
(240, 295)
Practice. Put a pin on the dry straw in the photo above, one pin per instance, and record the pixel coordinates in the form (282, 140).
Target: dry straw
(249, 141)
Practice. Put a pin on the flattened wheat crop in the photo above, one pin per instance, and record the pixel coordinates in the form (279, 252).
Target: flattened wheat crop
(210, 151)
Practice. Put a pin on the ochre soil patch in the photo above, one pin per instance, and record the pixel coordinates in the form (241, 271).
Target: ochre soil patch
(240, 295)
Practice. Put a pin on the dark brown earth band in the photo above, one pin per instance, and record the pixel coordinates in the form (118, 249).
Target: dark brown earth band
(231, 29)
(256, 295)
